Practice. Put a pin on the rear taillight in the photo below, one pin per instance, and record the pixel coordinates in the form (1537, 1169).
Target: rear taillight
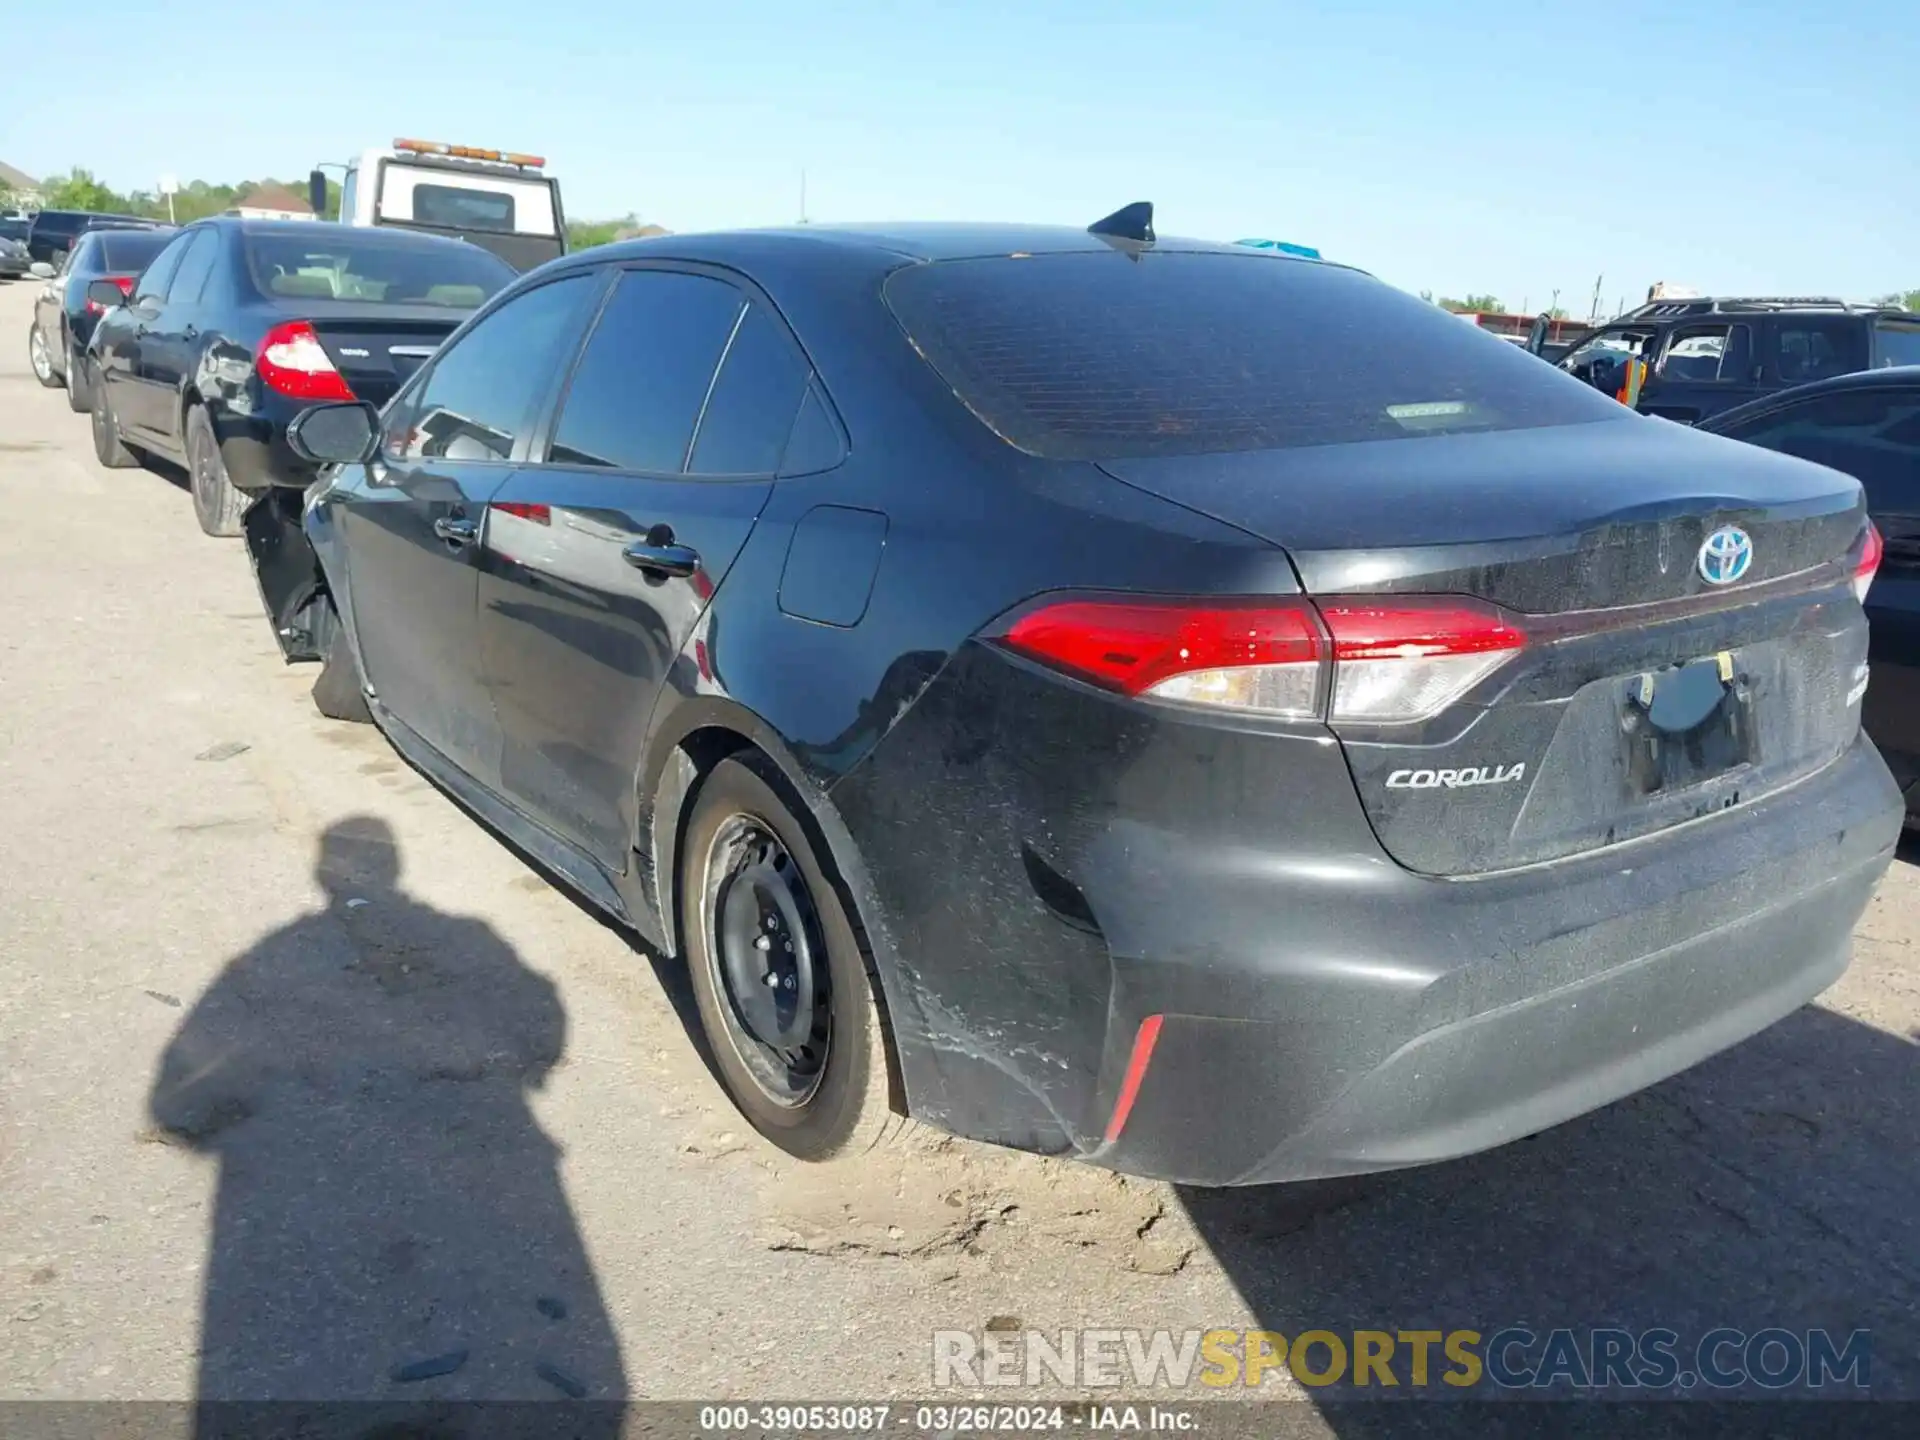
(1404, 660)
(292, 362)
(1871, 549)
(125, 282)
(1379, 662)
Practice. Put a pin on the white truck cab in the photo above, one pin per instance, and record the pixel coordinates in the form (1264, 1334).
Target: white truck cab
(500, 200)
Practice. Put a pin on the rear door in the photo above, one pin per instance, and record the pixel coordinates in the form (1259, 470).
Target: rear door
(603, 556)
(413, 523)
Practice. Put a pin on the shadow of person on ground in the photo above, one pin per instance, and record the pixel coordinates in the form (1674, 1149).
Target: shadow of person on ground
(1771, 1186)
(390, 1222)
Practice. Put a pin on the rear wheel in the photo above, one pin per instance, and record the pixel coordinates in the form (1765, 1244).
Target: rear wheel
(108, 448)
(782, 981)
(41, 358)
(77, 400)
(217, 505)
(337, 692)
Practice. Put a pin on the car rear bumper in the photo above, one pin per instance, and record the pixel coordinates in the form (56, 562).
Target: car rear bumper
(253, 443)
(1320, 1010)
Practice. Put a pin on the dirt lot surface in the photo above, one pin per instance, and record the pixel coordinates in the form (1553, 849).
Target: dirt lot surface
(310, 1087)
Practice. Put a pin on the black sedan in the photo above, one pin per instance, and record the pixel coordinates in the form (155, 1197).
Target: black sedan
(1086, 692)
(1867, 424)
(64, 313)
(238, 325)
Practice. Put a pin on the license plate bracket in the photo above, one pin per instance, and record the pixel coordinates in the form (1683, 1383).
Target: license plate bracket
(1686, 724)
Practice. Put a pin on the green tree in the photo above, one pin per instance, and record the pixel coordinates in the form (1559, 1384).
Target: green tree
(1905, 299)
(78, 190)
(1473, 304)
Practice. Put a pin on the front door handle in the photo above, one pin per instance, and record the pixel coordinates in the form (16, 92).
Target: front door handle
(456, 530)
(678, 561)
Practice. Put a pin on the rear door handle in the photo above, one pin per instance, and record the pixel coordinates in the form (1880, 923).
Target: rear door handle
(679, 561)
(456, 530)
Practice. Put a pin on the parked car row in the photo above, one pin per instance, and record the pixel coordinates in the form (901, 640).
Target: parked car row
(197, 345)
(1074, 688)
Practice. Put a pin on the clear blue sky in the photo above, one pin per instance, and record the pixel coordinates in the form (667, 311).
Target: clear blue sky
(1515, 148)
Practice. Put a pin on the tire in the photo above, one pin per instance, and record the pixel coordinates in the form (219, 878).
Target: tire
(337, 691)
(77, 399)
(108, 448)
(40, 356)
(829, 1096)
(217, 505)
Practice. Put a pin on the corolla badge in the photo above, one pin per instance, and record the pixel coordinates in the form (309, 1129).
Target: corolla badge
(1725, 555)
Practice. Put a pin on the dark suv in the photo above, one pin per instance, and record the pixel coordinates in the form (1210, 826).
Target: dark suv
(51, 233)
(1708, 355)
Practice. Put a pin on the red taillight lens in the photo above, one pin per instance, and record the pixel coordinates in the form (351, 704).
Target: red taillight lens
(1254, 655)
(524, 510)
(292, 362)
(1871, 549)
(1381, 662)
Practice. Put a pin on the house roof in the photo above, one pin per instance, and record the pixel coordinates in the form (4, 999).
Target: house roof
(14, 179)
(272, 197)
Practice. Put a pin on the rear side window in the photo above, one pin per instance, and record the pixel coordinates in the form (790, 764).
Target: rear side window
(190, 280)
(127, 252)
(1807, 350)
(316, 262)
(1896, 344)
(482, 393)
(1102, 355)
(1872, 435)
(638, 390)
(751, 411)
(151, 288)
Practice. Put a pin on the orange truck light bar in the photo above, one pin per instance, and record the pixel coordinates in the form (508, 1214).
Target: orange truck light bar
(470, 152)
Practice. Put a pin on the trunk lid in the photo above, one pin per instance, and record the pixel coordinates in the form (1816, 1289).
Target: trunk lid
(1645, 695)
(376, 353)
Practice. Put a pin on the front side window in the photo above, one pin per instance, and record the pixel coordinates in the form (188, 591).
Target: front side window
(1708, 353)
(645, 374)
(482, 394)
(151, 289)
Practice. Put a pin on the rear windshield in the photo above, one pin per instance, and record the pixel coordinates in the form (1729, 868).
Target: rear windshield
(461, 209)
(1099, 355)
(129, 251)
(1896, 344)
(373, 268)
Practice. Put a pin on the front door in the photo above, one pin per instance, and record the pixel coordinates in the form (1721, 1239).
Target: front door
(413, 523)
(604, 553)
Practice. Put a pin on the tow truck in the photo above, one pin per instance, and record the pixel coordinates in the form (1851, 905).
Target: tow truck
(502, 200)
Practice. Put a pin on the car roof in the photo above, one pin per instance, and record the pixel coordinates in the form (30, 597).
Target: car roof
(887, 246)
(1887, 377)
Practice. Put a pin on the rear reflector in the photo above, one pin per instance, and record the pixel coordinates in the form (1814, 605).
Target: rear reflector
(1871, 549)
(1143, 1042)
(292, 362)
(1372, 661)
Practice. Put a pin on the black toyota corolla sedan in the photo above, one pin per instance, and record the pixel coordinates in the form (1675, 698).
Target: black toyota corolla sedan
(237, 325)
(1198, 710)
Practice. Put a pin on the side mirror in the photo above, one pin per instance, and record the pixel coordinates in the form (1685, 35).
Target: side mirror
(1537, 335)
(317, 195)
(40, 270)
(106, 294)
(343, 434)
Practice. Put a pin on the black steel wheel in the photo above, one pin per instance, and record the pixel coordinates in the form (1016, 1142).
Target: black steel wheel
(782, 981)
